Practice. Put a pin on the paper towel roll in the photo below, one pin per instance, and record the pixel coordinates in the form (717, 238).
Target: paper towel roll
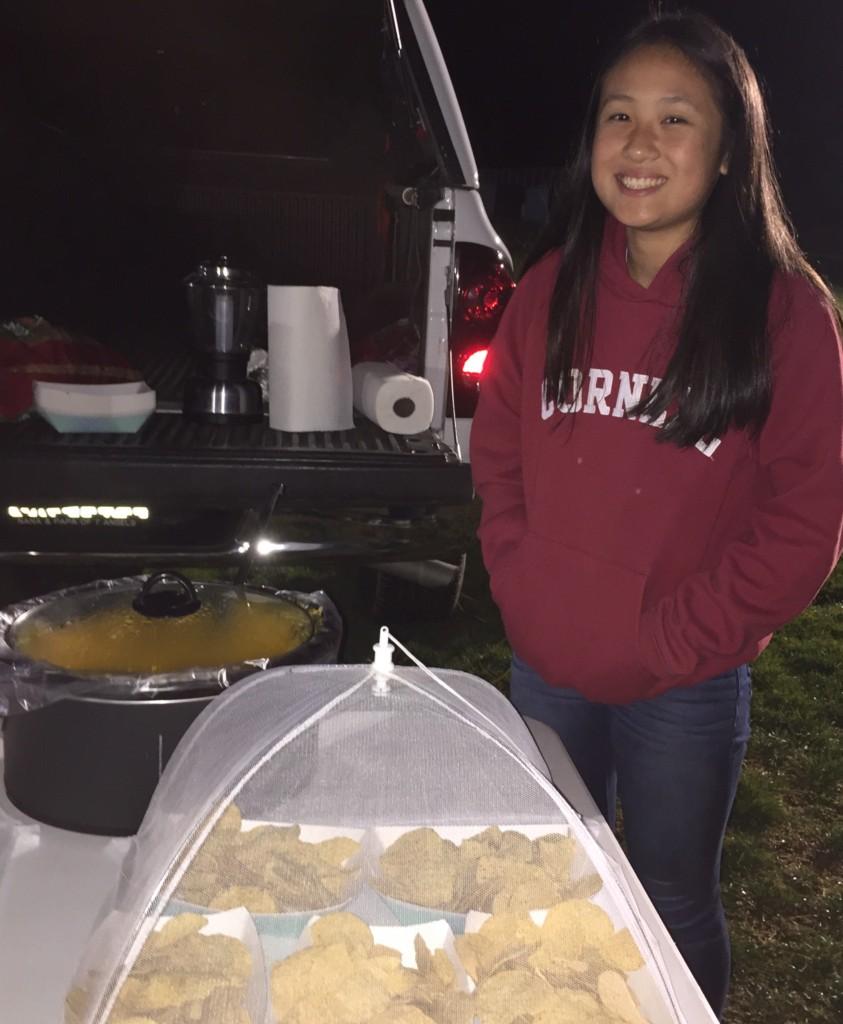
(396, 401)
(309, 362)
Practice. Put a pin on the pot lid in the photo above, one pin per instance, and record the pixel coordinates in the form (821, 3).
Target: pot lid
(165, 624)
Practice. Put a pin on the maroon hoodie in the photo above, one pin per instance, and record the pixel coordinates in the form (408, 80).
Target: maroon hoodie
(623, 567)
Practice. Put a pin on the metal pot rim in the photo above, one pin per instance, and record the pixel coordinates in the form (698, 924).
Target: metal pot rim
(139, 702)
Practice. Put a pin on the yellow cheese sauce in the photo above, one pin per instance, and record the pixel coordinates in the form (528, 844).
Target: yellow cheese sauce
(121, 641)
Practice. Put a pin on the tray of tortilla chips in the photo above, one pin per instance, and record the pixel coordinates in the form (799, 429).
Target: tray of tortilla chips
(281, 874)
(563, 965)
(190, 968)
(346, 972)
(424, 874)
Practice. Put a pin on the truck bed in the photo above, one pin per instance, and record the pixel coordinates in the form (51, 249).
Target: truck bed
(177, 462)
(202, 482)
(174, 461)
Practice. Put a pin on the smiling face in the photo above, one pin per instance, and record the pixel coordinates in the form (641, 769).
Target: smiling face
(657, 149)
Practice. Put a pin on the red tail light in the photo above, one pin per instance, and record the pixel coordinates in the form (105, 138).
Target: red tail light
(484, 286)
(472, 365)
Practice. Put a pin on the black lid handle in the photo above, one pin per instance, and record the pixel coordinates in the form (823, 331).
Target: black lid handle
(159, 599)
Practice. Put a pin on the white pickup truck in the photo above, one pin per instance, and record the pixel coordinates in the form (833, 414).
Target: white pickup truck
(318, 143)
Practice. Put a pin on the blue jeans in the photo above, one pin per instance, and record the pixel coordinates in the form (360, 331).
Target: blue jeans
(674, 763)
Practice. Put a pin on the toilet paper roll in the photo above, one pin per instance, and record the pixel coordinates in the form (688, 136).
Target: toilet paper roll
(396, 401)
(310, 384)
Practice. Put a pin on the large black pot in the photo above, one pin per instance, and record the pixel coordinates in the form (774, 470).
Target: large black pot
(85, 750)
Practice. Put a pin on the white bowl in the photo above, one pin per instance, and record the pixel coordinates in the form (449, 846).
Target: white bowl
(84, 408)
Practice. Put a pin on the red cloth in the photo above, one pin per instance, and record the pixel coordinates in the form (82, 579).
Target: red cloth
(32, 349)
(623, 567)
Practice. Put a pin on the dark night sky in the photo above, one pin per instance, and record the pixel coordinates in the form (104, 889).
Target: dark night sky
(521, 70)
(522, 74)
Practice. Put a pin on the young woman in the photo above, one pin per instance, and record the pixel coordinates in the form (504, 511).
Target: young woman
(658, 452)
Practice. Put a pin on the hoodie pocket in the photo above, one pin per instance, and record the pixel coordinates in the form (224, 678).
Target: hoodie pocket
(574, 618)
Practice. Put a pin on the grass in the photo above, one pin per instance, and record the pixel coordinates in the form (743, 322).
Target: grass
(783, 862)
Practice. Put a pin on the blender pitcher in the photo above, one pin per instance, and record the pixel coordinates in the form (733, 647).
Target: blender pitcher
(225, 308)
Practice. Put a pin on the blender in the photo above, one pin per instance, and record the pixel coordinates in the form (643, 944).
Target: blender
(225, 305)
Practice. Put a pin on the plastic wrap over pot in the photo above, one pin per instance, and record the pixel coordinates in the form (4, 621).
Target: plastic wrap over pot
(27, 683)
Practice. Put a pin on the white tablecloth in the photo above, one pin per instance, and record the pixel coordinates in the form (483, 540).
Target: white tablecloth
(52, 884)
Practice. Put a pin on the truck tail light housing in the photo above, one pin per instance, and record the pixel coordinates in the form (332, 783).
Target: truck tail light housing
(484, 286)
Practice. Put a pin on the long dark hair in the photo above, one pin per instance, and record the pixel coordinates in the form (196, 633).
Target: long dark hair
(719, 374)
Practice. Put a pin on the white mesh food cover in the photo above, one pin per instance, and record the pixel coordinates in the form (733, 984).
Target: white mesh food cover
(346, 845)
